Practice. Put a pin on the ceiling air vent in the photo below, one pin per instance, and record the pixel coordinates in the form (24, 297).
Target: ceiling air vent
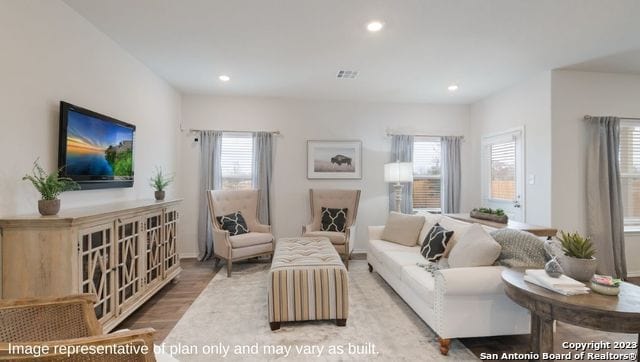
(347, 74)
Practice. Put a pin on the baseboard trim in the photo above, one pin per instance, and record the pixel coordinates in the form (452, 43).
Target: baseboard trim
(633, 274)
(188, 255)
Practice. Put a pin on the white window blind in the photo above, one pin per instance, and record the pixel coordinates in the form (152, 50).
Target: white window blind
(426, 173)
(502, 157)
(629, 157)
(236, 161)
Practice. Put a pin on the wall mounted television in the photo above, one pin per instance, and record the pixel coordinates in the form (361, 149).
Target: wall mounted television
(95, 150)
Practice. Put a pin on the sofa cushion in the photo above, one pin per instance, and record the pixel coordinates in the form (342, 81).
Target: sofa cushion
(396, 260)
(475, 248)
(420, 282)
(429, 220)
(435, 243)
(249, 239)
(378, 247)
(458, 227)
(335, 237)
(333, 219)
(234, 223)
(402, 228)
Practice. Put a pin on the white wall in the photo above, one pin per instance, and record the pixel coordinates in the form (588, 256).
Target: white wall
(302, 120)
(576, 94)
(528, 105)
(50, 53)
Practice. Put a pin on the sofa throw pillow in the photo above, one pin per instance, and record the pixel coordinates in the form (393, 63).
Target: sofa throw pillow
(435, 244)
(520, 249)
(458, 227)
(402, 228)
(333, 219)
(234, 223)
(475, 248)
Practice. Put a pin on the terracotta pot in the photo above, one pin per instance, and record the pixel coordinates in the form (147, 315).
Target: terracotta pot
(49, 207)
(159, 195)
(579, 269)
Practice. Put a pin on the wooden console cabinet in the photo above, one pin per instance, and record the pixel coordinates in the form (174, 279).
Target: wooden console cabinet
(122, 252)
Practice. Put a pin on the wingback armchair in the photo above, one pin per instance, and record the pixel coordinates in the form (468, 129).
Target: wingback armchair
(68, 321)
(257, 242)
(338, 199)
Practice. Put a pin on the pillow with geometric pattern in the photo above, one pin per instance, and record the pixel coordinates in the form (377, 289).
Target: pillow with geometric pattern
(234, 223)
(333, 219)
(435, 243)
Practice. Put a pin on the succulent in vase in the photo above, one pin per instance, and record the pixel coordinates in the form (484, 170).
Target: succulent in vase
(159, 181)
(50, 186)
(578, 260)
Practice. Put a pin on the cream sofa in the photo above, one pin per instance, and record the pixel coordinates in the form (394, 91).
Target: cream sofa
(455, 302)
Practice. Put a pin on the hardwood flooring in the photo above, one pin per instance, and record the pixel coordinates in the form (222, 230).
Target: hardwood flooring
(165, 309)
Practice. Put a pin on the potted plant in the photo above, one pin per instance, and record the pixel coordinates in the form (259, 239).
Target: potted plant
(159, 181)
(50, 186)
(578, 260)
(485, 213)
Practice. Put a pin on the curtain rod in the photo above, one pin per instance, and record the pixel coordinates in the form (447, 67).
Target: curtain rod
(231, 131)
(389, 134)
(635, 118)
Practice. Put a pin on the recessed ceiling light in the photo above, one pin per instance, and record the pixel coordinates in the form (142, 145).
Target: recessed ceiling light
(224, 78)
(375, 26)
(452, 88)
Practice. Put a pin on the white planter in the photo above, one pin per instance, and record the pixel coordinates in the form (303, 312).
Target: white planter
(579, 269)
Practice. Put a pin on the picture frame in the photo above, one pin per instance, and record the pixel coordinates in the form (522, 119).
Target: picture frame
(334, 160)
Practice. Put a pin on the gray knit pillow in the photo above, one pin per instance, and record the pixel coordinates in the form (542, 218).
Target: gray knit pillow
(520, 249)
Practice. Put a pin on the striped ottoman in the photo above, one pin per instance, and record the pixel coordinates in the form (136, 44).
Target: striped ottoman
(307, 281)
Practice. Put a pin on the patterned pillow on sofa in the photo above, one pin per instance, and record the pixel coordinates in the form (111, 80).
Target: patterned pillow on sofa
(234, 223)
(435, 243)
(333, 219)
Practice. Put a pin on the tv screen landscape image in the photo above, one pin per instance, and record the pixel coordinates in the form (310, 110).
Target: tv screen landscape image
(95, 150)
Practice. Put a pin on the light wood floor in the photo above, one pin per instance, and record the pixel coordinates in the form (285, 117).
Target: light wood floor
(165, 309)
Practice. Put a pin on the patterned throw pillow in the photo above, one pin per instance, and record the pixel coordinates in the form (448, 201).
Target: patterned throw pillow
(234, 223)
(333, 219)
(435, 243)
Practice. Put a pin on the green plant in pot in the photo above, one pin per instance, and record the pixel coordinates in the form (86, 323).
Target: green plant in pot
(50, 186)
(160, 181)
(578, 260)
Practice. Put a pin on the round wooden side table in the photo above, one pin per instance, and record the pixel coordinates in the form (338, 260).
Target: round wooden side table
(619, 314)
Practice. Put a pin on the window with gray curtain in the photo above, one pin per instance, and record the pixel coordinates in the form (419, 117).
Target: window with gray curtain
(451, 174)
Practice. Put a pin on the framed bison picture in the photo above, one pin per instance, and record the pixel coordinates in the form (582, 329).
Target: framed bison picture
(334, 159)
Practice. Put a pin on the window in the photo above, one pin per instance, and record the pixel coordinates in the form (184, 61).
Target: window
(426, 174)
(629, 157)
(503, 171)
(237, 161)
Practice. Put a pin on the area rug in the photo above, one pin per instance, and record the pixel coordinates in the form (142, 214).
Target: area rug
(229, 320)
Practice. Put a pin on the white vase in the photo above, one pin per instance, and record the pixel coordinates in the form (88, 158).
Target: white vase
(579, 269)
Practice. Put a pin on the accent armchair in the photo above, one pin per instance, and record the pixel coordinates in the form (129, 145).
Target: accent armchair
(257, 242)
(64, 321)
(332, 198)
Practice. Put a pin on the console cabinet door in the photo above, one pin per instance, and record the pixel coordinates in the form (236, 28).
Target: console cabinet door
(169, 238)
(128, 262)
(153, 248)
(96, 263)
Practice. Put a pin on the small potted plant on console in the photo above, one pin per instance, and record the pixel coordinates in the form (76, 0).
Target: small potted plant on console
(159, 181)
(50, 186)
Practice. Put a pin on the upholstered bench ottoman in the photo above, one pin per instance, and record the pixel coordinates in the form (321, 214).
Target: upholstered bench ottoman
(307, 281)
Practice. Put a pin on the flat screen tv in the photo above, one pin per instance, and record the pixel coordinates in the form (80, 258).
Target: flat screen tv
(95, 150)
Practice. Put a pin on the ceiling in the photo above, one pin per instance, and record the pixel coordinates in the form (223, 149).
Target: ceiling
(626, 62)
(294, 48)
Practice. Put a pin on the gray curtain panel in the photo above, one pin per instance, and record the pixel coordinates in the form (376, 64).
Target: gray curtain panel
(262, 171)
(450, 188)
(402, 150)
(210, 179)
(605, 220)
